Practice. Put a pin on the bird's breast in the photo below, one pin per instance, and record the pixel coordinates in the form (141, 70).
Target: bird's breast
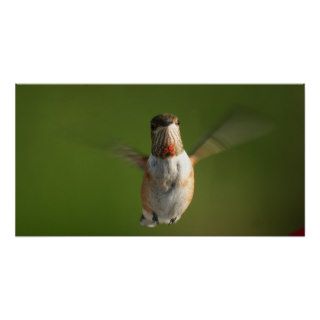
(167, 188)
(165, 173)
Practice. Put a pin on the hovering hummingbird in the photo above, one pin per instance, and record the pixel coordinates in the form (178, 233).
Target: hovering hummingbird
(168, 182)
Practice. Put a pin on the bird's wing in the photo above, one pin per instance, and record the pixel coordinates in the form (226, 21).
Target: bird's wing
(239, 127)
(133, 156)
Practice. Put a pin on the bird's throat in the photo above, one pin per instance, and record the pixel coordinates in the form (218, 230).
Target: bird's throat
(169, 151)
(166, 144)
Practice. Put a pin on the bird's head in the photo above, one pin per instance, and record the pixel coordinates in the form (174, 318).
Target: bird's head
(165, 136)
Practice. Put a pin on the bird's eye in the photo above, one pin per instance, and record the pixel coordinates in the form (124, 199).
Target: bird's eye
(153, 126)
(178, 123)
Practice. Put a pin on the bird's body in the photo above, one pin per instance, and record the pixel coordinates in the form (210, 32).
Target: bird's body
(168, 183)
(167, 189)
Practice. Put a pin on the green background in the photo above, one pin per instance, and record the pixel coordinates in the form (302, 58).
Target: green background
(68, 182)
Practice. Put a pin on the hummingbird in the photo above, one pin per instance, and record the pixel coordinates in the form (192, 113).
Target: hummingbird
(168, 172)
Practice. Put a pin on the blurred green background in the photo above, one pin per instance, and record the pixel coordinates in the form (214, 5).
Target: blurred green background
(68, 182)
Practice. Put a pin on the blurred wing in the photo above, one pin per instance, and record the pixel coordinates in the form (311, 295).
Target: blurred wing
(239, 127)
(132, 156)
